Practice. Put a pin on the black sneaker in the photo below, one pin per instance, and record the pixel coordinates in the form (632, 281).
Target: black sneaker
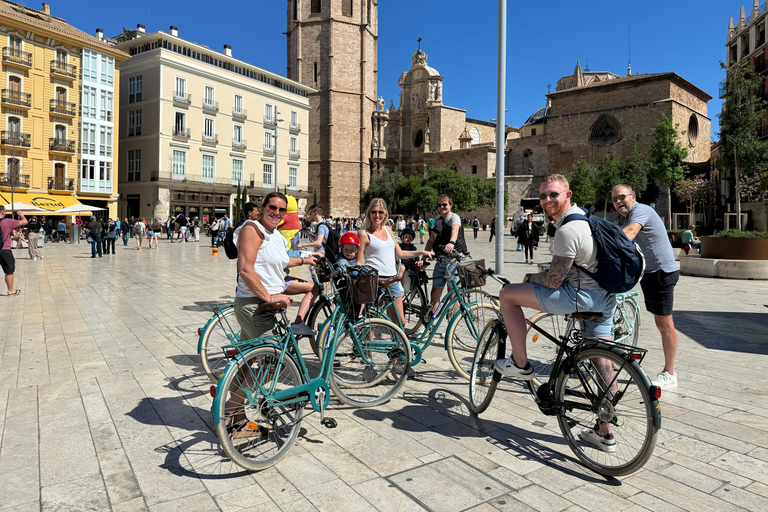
(302, 329)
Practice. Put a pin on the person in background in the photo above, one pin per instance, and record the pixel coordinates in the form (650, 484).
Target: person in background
(110, 238)
(139, 230)
(321, 229)
(410, 264)
(196, 223)
(493, 229)
(94, 232)
(125, 228)
(528, 236)
(475, 226)
(551, 229)
(690, 239)
(61, 231)
(48, 228)
(154, 232)
(214, 231)
(7, 261)
(34, 239)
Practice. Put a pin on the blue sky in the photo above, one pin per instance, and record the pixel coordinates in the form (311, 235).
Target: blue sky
(544, 40)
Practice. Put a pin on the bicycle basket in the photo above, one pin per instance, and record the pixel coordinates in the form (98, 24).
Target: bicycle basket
(363, 283)
(471, 274)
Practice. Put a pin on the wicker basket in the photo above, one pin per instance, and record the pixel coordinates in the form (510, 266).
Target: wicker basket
(363, 284)
(471, 274)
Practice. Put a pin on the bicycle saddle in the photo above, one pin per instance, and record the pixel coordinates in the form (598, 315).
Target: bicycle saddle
(383, 283)
(587, 315)
(272, 306)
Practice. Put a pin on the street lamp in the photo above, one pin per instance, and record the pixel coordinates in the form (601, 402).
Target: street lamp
(501, 85)
(277, 120)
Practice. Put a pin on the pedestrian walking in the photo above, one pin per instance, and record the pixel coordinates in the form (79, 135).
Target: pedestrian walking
(125, 229)
(196, 223)
(493, 229)
(110, 238)
(139, 230)
(528, 236)
(61, 231)
(475, 226)
(34, 239)
(48, 229)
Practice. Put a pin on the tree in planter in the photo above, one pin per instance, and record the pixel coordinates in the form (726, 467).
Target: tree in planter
(741, 149)
(635, 168)
(581, 181)
(608, 175)
(667, 157)
(693, 191)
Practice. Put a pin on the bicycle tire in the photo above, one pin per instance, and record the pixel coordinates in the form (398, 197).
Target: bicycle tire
(368, 371)
(270, 439)
(542, 352)
(480, 296)
(415, 303)
(484, 377)
(626, 327)
(215, 336)
(460, 342)
(630, 416)
(315, 318)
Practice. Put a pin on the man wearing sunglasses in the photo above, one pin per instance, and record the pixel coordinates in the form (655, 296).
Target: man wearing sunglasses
(643, 225)
(447, 232)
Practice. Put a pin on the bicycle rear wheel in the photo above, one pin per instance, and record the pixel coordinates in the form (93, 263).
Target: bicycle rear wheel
(254, 433)
(318, 314)
(626, 325)
(371, 361)
(415, 306)
(463, 333)
(221, 330)
(484, 379)
(627, 410)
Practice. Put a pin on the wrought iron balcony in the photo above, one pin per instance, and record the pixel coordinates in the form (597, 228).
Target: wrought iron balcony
(294, 128)
(63, 69)
(269, 122)
(59, 183)
(61, 145)
(14, 138)
(14, 180)
(180, 133)
(294, 155)
(239, 113)
(211, 139)
(269, 150)
(16, 56)
(63, 108)
(212, 106)
(239, 145)
(16, 98)
(181, 98)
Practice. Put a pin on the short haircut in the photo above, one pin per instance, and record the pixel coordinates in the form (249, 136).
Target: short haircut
(559, 178)
(248, 208)
(269, 196)
(692, 227)
(2, 208)
(629, 189)
(445, 197)
(316, 208)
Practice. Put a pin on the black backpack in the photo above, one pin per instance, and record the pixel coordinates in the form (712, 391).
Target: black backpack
(331, 243)
(620, 262)
(230, 249)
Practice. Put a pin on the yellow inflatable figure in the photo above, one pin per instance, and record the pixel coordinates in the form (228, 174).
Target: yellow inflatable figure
(291, 223)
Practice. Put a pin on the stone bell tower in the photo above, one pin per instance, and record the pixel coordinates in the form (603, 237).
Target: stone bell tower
(332, 47)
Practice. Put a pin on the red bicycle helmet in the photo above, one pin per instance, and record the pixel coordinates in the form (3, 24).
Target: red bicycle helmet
(349, 238)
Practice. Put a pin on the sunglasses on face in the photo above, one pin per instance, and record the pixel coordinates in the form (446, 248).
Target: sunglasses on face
(620, 197)
(443, 205)
(377, 212)
(274, 208)
(553, 195)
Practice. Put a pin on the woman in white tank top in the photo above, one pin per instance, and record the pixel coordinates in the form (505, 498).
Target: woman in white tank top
(379, 250)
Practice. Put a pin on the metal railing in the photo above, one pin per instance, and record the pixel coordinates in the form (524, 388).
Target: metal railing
(269, 121)
(14, 138)
(295, 127)
(17, 56)
(211, 105)
(182, 133)
(239, 145)
(294, 155)
(61, 145)
(269, 150)
(63, 107)
(179, 97)
(211, 139)
(59, 183)
(168, 176)
(16, 98)
(16, 180)
(62, 68)
(240, 114)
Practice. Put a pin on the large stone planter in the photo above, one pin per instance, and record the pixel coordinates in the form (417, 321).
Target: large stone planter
(734, 248)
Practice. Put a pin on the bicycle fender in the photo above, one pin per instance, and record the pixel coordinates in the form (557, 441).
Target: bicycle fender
(202, 333)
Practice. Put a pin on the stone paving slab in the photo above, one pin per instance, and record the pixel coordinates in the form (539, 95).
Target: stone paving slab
(104, 406)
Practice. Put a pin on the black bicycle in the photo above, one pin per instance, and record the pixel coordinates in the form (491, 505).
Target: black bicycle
(593, 386)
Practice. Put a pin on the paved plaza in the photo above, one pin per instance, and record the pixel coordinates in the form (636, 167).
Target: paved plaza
(105, 407)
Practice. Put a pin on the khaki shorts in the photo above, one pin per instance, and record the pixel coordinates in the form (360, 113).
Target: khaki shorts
(252, 323)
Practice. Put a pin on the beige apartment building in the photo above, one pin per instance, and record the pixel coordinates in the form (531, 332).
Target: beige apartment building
(196, 122)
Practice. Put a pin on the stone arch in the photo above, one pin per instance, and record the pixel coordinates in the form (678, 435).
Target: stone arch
(475, 134)
(605, 130)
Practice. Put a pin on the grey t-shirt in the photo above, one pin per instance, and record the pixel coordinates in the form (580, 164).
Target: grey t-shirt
(574, 240)
(652, 238)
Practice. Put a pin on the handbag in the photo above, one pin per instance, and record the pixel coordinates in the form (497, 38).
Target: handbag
(89, 239)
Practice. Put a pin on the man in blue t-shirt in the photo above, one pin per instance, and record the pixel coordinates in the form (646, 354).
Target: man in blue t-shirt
(643, 225)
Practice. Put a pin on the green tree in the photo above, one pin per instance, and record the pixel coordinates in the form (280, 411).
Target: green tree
(694, 190)
(667, 157)
(238, 206)
(635, 168)
(741, 150)
(581, 180)
(468, 193)
(384, 184)
(608, 175)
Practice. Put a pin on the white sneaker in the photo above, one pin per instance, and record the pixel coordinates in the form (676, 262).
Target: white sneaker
(665, 380)
(508, 368)
(605, 443)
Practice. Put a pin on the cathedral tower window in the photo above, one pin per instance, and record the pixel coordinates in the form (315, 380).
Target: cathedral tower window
(419, 139)
(346, 8)
(316, 6)
(605, 131)
(693, 129)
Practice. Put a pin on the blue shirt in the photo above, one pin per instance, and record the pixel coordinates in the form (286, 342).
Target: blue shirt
(61, 227)
(652, 238)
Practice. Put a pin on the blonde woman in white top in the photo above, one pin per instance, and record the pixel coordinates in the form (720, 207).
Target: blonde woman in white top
(379, 250)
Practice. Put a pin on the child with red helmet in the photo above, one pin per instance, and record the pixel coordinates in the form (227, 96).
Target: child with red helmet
(349, 244)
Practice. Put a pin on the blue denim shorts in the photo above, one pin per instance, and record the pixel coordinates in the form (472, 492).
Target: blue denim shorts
(567, 299)
(394, 289)
(440, 276)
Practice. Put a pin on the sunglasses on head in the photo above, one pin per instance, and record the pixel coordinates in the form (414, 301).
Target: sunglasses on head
(443, 205)
(553, 195)
(274, 208)
(377, 212)
(620, 197)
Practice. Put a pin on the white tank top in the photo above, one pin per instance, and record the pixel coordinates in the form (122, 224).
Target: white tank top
(380, 254)
(271, 259)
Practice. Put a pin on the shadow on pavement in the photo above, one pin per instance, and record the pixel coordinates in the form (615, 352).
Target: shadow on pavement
(737, 332)
(207, 305)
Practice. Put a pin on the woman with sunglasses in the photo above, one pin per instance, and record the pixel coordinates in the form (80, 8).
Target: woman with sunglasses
(261, 260)
(379, 250)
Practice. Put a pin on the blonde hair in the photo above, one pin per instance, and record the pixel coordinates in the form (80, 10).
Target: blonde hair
(377, 201)
(559, 178)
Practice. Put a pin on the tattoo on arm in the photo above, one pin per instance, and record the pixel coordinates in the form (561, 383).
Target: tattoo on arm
(558, 269)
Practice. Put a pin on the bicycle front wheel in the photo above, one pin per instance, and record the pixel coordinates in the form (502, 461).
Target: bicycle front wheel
(317, 315)
(483, 381)
(463, 333)
(222, 329)
(254, 432)
(371, 362)
(542, 351)
(626, 411)
(626, 323)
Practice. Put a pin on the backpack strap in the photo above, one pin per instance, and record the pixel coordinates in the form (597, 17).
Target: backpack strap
(577, 216)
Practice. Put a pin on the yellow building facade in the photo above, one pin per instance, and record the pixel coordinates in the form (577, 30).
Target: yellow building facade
(41, 98)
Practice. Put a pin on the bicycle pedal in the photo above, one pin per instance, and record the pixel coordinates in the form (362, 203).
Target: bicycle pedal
(328, 422)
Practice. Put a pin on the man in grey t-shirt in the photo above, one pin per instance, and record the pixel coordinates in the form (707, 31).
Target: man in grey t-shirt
(642, 224)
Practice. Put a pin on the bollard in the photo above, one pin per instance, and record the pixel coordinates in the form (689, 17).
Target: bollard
(215, 251)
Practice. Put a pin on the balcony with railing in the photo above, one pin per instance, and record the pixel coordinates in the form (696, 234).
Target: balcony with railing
(16, 57)
(63, 108)
(60, 183)
(14, 180)
(211, 106)
(180, 133)
(294, 128)
(239, 145)
(269, 122)
(63, 70)
(182, 99)
(269, 150)
(16, 99)
(294, 154)
(15, 139)
(210, 139)
(57, 145)
(240, 113)
(167, 176)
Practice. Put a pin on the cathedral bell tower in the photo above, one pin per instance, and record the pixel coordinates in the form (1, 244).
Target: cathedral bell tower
(332, 47)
